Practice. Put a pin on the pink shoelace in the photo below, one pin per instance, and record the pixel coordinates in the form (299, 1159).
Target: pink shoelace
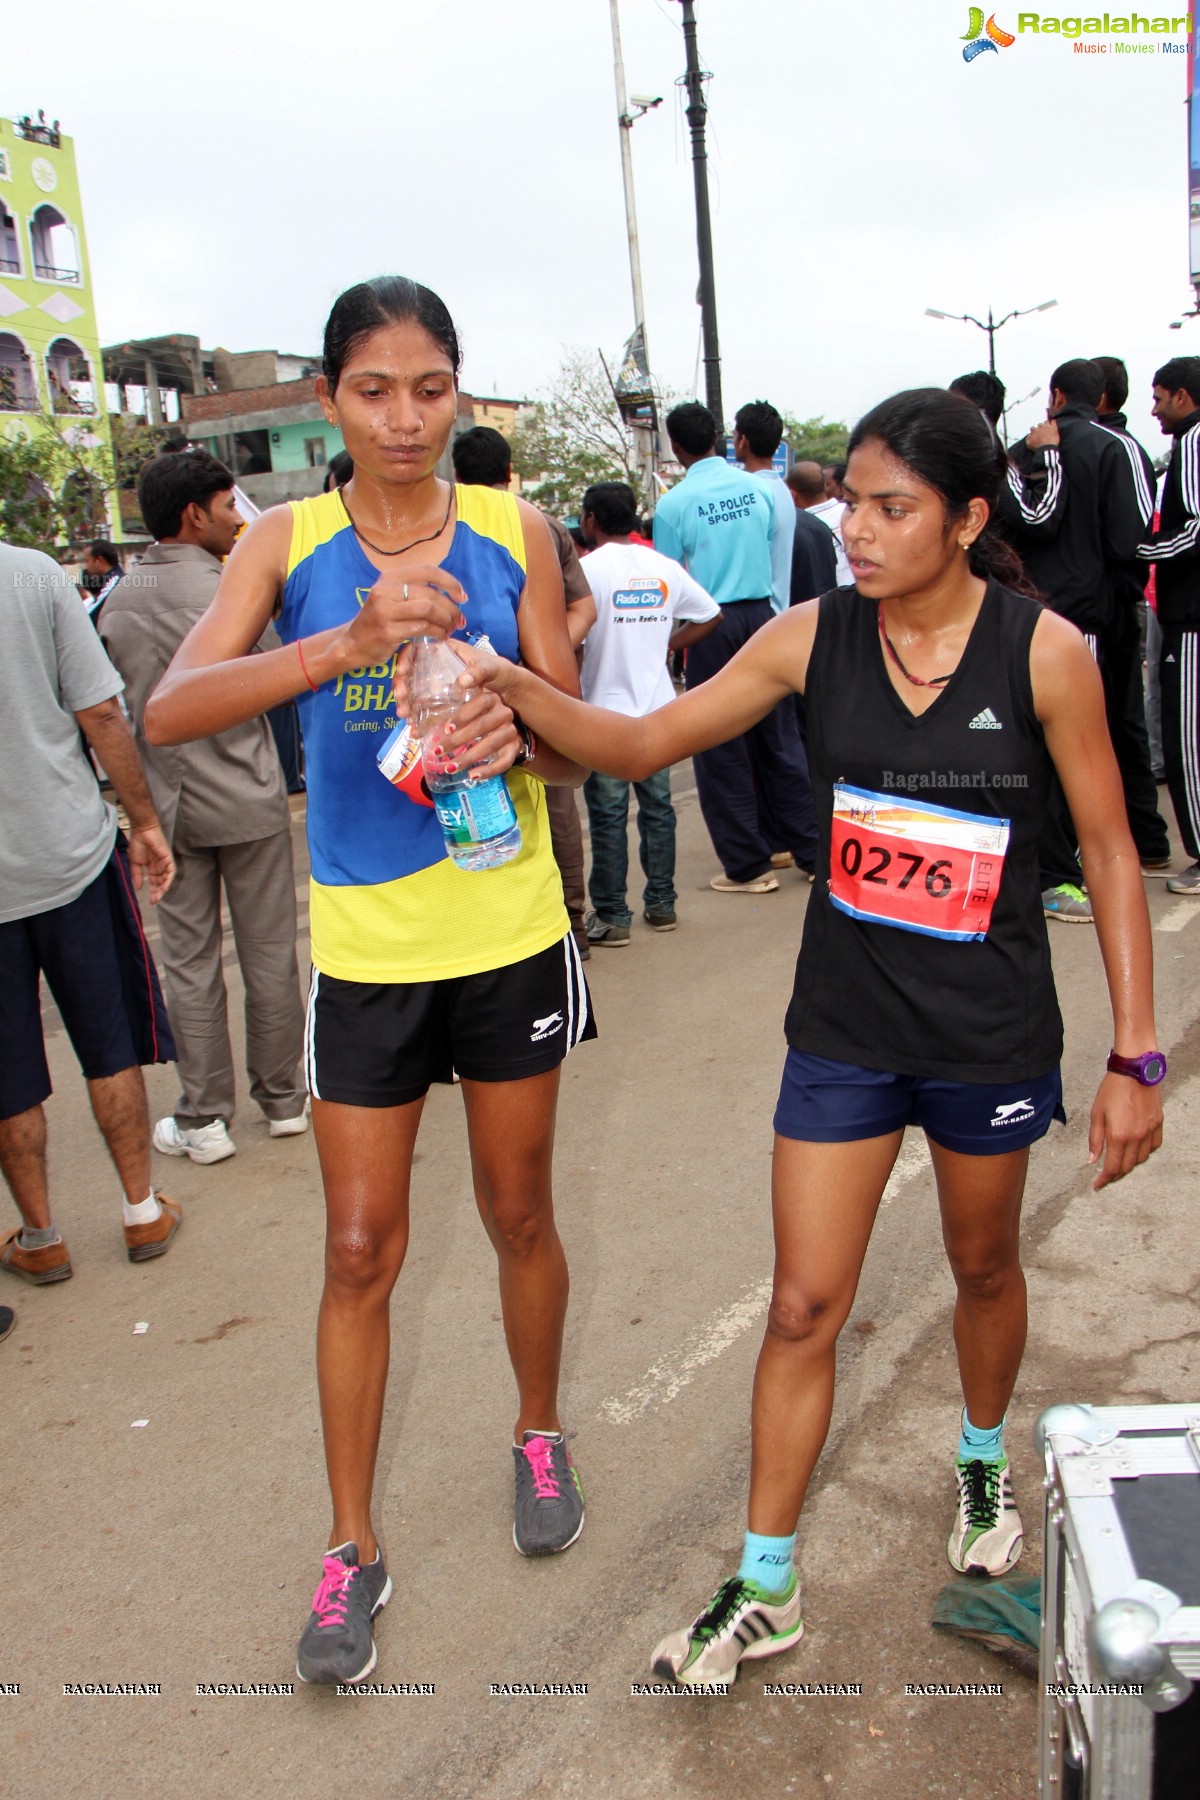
(545, 1482)
(329, 1601)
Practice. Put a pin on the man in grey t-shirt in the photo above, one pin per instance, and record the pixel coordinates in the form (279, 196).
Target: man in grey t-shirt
(67, 911)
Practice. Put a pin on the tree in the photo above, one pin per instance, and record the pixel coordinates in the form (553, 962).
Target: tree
(816, 440)
(574, 436)
(55, 479)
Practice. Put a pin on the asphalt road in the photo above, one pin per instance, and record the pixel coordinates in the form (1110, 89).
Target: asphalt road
(183, 1551)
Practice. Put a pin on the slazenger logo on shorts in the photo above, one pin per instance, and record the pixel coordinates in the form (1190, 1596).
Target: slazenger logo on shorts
(1015, 1113)
(544, 1028)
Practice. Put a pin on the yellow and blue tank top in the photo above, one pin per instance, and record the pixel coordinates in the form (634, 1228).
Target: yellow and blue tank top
(387, 903)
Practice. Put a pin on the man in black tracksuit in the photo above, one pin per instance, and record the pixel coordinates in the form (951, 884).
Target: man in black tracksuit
(1121, 655)
(1175, 548)
(1107, 512)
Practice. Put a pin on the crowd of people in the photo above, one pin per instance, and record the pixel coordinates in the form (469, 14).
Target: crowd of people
(914, 678)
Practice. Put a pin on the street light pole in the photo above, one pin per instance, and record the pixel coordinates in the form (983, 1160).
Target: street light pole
(625, 122)
(696, 113)
(993, 325)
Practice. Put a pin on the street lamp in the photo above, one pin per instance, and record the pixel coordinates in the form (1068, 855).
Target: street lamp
(992, 326)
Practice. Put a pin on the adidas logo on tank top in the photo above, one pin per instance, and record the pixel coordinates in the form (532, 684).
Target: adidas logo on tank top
(985, 721)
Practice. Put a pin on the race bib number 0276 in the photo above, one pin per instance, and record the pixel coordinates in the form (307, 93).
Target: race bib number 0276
(920, 868)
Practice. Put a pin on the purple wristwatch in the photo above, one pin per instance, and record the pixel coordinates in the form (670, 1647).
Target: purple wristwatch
(1149, 1068)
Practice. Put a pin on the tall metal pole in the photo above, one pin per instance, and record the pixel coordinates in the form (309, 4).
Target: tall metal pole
(646, 440)
(625, 123)
(697, 113)
(991, 331)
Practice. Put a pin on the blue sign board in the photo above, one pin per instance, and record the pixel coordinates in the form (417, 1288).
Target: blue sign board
(781, 462)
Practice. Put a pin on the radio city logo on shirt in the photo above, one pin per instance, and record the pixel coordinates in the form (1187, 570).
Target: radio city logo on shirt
(974, 40)
(639, 593)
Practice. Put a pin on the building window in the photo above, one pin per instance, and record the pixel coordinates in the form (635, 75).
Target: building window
(5, 166)
(18, 389)
(55, 250)
(69, 378)
(10, 246)
(251, 453)
(314, 452)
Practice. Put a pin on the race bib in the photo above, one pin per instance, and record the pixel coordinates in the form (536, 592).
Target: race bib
(920, 868)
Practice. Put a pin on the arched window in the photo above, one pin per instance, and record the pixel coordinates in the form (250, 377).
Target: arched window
(18, 388)
(69, 378)
(10, 248)
(55, 250)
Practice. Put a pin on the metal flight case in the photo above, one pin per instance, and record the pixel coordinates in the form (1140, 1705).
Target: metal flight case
(1118, 1714)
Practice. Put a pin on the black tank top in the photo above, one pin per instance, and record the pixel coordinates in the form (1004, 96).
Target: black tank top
(925, 949)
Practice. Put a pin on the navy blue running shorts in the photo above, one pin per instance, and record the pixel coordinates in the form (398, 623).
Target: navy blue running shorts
(827, 1102)
(98, 967)
(383, 1044)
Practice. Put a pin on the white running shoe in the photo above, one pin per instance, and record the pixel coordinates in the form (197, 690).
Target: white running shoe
(203, 1143)
(988, 1535)
(741, 1620)
(291, 1127)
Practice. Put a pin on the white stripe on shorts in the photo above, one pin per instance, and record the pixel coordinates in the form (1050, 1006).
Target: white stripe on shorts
(577, 980)
(310, 1039)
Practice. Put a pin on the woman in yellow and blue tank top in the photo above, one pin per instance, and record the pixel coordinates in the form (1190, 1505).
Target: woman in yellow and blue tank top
(421, 970)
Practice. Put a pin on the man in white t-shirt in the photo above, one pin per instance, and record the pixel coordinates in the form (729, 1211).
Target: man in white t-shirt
(647, 607)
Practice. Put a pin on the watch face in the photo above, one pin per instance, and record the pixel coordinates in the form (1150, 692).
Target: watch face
(1153, 1070)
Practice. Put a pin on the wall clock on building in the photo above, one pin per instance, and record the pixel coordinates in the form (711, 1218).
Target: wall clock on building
(44, 174)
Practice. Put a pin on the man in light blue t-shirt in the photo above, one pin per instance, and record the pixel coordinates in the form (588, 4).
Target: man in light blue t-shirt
(718, 522)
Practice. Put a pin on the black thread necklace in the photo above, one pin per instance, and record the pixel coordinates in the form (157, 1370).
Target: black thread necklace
(359, 533)
(917, 681)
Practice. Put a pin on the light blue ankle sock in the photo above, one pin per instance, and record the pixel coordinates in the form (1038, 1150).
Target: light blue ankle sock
(981, 1444)
(768, 1561)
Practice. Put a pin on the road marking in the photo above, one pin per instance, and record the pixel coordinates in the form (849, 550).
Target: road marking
(1178, 917)
(912, 1160)
(665, 1380)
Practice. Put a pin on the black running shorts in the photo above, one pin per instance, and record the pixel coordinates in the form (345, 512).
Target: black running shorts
(383, 1044)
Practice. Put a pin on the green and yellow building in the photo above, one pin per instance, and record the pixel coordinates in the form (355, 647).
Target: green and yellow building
(51, 375)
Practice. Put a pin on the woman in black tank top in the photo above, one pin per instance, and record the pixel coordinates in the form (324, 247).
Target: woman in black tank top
(941, 701)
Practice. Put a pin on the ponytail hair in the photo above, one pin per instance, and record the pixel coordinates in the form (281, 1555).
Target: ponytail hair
(949, 445)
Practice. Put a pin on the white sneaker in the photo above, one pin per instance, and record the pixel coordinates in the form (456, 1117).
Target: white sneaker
(741, 1620)
(291, 1127)
(203, 1143)
(988, 1535)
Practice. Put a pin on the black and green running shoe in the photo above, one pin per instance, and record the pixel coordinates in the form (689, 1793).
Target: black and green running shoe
(988, 1536)
(741, 1620)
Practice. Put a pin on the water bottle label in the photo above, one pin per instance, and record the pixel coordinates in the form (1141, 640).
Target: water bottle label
(476, 813)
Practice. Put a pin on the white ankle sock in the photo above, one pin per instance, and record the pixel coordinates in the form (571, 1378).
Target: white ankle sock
(144, 1213)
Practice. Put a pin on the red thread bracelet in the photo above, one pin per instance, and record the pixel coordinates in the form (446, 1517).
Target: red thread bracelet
(304, 666)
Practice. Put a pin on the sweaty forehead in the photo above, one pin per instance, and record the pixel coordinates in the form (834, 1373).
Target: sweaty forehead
(873, 469)
(398, 349)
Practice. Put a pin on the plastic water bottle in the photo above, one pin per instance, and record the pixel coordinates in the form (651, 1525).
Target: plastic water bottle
(477, 817)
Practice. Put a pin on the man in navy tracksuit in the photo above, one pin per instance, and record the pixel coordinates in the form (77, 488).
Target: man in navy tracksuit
(1175, 548)
(1108, 508)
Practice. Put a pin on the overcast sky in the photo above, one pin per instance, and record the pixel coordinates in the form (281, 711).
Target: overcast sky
(240, 168)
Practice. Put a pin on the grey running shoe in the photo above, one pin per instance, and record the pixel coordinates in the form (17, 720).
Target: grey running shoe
(1068, 903)
(1186, 882)
(549, 1506)
(603, 931)
(337, 1644)
(741, 1620)
(8, 1319)
(660, 918)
